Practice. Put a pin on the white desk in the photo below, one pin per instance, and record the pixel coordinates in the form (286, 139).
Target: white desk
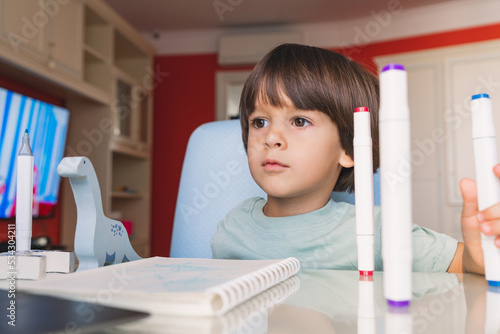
(325, 301)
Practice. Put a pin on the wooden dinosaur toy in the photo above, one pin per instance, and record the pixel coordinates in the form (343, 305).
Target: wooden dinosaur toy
(99, 240)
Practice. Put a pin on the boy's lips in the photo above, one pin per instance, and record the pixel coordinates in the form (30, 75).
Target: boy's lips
(271, 164)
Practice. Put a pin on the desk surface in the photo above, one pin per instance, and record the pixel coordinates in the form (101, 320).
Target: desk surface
(325, 301)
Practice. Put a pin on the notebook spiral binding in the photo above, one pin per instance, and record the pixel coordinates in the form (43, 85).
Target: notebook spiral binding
(242, 289)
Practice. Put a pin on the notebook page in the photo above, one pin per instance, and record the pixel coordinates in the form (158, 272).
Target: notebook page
(150, 284)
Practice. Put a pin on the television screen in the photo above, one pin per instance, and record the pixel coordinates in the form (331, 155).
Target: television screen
(47, 126)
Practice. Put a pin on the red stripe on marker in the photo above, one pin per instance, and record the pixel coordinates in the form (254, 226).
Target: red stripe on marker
(361, 109)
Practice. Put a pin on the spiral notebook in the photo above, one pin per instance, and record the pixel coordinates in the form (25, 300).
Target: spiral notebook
(160, 285)
(249, 317)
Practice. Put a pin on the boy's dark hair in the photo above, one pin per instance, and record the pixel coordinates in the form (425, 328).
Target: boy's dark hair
(315, 79)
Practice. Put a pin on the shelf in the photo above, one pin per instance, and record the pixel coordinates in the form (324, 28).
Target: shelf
(130, 59)
(126, 195)
(98, 34)
(96, 55)
(97, 72)
(125, 76)
(97, 50)
(125, 149)
(95, 93)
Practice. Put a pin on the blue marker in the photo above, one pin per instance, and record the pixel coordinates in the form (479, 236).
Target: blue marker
(488, 185)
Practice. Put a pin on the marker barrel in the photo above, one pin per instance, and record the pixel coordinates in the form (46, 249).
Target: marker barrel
(395, 185)
(363, 183)
(24, 202)
(488, 184)
(398, 321)
(492, 321)
(367, 319)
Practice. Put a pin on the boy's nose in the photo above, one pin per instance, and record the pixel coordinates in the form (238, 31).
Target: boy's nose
(275, 139)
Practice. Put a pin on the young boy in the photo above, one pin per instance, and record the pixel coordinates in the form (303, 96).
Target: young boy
(296, 114)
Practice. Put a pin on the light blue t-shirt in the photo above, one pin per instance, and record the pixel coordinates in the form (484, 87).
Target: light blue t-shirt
(322, 239)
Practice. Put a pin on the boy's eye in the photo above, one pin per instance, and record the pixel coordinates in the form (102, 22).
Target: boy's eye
(300, 122)
(259, 123)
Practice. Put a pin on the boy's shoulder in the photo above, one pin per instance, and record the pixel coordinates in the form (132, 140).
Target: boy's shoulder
(247, 206)
(350, 210)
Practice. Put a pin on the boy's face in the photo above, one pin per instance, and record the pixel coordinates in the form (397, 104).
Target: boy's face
(294, 154)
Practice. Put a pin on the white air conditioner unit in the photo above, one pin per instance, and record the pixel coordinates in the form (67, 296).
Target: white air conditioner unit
(245, 49)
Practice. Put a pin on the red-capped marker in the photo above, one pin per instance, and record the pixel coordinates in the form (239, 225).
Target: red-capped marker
(363, 182)
(367, 320)
(361, 109)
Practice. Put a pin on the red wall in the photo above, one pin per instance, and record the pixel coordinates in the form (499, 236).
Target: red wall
(185, 99)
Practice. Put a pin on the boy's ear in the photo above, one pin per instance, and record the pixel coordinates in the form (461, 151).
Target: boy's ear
(345, 160)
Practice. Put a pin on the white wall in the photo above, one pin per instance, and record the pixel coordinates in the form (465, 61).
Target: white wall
(441, 83)
(392, 23)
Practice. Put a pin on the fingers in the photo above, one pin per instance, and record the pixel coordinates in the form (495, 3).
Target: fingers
(489, 219)
(490, 225)
(469, 223)
(496, 170)
(469, 195)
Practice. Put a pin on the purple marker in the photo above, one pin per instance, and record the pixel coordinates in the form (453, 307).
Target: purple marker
(395, 185)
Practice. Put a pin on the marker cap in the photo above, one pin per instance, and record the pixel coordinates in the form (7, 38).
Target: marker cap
(393, 94)
(362, 131)
(393, 66)
(482, 116)
(398, 304)
(361, 109)
(494, 283)
(479, 96)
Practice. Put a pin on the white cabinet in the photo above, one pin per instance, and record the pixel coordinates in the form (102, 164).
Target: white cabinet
(83, 52)
(18, 29)
(65, 45)
(46, 31)
(441, 83)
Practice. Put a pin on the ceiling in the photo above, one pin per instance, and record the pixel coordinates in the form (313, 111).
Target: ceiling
(171, 15)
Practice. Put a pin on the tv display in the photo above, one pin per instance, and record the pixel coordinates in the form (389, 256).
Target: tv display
(47, 126)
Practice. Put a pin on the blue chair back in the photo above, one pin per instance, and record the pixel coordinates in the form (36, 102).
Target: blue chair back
(215, 178)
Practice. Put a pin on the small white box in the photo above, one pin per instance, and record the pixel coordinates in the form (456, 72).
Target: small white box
(57, 261)
(22, 265)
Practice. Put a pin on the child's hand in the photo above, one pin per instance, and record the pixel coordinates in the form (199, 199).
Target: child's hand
(474, 222)
(489, 218)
